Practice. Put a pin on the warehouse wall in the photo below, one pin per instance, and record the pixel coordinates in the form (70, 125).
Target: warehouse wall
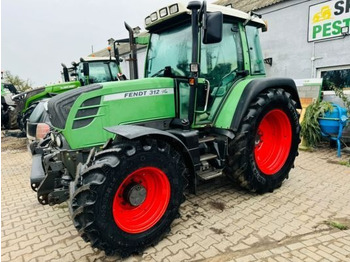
(286, 42)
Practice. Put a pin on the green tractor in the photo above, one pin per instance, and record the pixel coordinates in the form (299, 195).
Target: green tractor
(123, 153)
(89, 70)
(8, 106)
(39, 124)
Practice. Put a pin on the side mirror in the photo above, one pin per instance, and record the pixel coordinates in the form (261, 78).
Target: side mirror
(142, 40)
(86, 68)
(212, 29)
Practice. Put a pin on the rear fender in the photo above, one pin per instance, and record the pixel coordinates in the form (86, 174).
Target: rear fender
(257, 86)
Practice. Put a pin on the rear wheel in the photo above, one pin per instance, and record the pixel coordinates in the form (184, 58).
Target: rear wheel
(128, 197)
(264, 149)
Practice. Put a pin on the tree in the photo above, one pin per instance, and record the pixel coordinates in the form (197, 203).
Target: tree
(20, 84)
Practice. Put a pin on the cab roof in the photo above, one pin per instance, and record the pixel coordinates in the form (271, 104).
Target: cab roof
(180, 8)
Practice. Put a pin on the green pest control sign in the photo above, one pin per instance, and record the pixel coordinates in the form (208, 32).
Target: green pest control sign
(328, 19)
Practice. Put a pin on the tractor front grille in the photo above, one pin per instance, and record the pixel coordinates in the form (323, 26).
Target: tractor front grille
(87, 112)
(60, 105)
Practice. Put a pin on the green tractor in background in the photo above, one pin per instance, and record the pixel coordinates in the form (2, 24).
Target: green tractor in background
(122, 153)
(8, 106)
(87, 71)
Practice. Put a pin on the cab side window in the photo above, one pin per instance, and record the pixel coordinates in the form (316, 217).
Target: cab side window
(256, 58)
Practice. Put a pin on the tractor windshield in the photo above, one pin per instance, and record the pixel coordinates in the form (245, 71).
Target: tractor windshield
(170, 48)
(173, 48)
(219, 63)
(100, 71)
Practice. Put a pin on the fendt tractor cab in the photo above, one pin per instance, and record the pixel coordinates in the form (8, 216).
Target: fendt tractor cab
(122, 153)
(87, 71)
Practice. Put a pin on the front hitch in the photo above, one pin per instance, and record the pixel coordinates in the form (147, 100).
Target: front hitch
(52, 172)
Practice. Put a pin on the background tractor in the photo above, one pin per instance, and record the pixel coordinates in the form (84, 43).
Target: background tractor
(89, 70)
(8, 106)
(122, 153)
(39, 124)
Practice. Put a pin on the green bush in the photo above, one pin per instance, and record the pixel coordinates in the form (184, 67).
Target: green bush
(310, 128)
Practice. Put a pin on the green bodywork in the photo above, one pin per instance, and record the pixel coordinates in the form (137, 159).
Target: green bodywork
(132, 102)
(51, 89)
(100, 71)
(150, 99)
(4, 91)
(228, 108)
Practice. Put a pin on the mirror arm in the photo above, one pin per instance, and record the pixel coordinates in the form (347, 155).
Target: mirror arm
(194, 6)
(203, 15)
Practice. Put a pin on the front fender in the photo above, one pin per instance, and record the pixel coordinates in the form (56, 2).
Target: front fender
(134, 132)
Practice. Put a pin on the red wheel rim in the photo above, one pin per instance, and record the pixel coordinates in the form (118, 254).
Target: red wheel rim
(273, 141)
(144, 215)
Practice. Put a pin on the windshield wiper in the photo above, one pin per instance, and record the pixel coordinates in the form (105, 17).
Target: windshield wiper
(167, 72)
(158, 73)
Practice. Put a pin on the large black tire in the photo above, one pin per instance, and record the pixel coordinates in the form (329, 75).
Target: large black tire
(266, 144)
(113, 184)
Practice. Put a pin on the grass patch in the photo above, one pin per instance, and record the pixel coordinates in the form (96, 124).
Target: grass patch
(306, 148)
(337, 225)
(344, 163)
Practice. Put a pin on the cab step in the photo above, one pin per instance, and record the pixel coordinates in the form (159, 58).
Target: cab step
(210, 174)
(207, 157)
(206, 139)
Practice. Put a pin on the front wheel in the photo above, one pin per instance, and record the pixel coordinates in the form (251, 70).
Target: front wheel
(264, 149)
(129, 196)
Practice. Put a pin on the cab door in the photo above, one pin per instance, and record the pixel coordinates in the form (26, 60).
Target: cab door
(220, 64)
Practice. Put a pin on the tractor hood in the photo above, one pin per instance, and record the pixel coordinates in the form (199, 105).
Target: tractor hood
(82, 114)
(58, 88)
(22, 98)
(25, 99)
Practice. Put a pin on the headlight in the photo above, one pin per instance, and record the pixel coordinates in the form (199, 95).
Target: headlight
(173, 9)
(58, 141)
(154, 16)
(148, 20)
(163, 12)
(52, 136)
